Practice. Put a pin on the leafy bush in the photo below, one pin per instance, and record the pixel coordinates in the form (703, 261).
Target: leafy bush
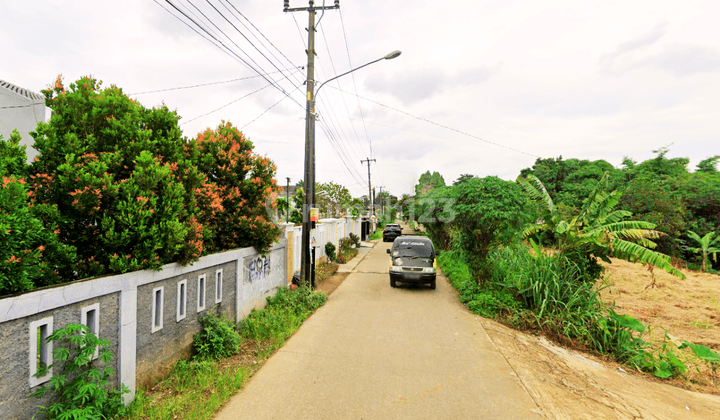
(355, 239)
(330, 251)
(218, 338)
(80, 389)
(476, 215)
(116, 173)
(239, 185)
(347, 243)
(31, 254)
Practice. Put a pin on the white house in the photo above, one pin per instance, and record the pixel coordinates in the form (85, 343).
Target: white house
(21, 110)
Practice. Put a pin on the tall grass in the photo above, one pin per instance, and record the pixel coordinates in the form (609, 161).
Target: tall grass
(549, 293)
(282, 315)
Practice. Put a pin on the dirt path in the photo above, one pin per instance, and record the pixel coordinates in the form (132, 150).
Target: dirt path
(570, 385)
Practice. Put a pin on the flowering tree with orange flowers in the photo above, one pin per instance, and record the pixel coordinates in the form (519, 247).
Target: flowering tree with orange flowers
(118, 176)
(30, 253)
(240, 184)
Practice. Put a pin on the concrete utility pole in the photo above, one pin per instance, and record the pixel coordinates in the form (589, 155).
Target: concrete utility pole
(287, 195)
(382, 203)
(307, 272)
(370, 196)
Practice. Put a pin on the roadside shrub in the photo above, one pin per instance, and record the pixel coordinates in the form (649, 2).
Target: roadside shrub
(115, 172)
(80, 389)
(239, 185)
(30, 253)
(347, 243)
(330, 251)
(476, 216)
(282, 315)
(355, 239)
(218, 338)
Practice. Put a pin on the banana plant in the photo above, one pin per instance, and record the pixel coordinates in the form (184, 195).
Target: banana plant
(707, 246)
(599, 230)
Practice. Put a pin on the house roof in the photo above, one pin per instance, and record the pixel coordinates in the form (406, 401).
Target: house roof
(21, 91)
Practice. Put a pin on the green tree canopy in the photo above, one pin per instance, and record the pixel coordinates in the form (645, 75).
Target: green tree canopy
(429, 181)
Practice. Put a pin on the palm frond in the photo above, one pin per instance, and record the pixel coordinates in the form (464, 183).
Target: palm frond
(631, 251)
(616, 216)
(533, 229)
(628, 225)
(536, 190)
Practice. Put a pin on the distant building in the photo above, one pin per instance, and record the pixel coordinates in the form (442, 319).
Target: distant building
(21, 110)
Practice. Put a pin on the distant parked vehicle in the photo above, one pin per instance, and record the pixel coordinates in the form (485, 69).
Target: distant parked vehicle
(391, 231)
(412, 260)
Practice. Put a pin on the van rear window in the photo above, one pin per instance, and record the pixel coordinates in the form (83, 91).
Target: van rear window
(412, 249)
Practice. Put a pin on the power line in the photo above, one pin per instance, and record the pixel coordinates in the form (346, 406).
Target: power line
(227, 104)
(439, 125)
(206, 84)
(246, 38)
(220, 44)
(347, 48)
(264, 112)
(347, 110)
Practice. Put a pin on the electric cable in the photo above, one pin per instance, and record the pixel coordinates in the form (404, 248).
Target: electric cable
(347, 48)
(227, 104)
(264, 112)
(220, 44)
(204, 84)
(439, 125)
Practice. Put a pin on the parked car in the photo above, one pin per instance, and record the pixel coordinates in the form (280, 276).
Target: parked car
(412, 260)
(391, 231)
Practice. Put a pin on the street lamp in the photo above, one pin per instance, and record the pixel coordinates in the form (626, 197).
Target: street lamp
(307, 273)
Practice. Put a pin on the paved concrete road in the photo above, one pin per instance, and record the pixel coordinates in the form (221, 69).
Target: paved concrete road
(374, 352)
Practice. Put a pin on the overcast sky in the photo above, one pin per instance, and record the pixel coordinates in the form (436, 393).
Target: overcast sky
(481, 87)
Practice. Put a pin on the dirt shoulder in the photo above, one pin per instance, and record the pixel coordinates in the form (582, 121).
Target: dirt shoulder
(570, 385)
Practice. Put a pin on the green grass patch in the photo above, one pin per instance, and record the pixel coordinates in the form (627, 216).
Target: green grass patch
(376, 235)
(196, 389)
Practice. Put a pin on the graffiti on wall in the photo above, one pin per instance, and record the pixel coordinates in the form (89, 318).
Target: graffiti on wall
(257, 269)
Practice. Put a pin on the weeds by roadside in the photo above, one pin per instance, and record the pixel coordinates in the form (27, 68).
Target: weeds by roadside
(197, 388)
(547, 294)
(324, 271)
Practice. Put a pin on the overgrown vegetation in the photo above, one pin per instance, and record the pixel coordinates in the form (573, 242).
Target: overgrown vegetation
(197, 388)
(479, 224)
(80, 385)
(532, 290)
(117, 188)
(218, 338)
(348, 248)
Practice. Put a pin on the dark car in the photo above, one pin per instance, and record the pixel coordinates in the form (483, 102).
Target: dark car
(412, 260)
(391, 232)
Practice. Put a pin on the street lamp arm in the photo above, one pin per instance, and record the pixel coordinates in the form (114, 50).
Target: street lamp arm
(387, 57)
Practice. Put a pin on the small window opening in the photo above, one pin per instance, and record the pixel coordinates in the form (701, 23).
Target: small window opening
(157, 309)
(201, 293)
(218, 286)
(90, 317)
(40, 350)
(182, 300)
